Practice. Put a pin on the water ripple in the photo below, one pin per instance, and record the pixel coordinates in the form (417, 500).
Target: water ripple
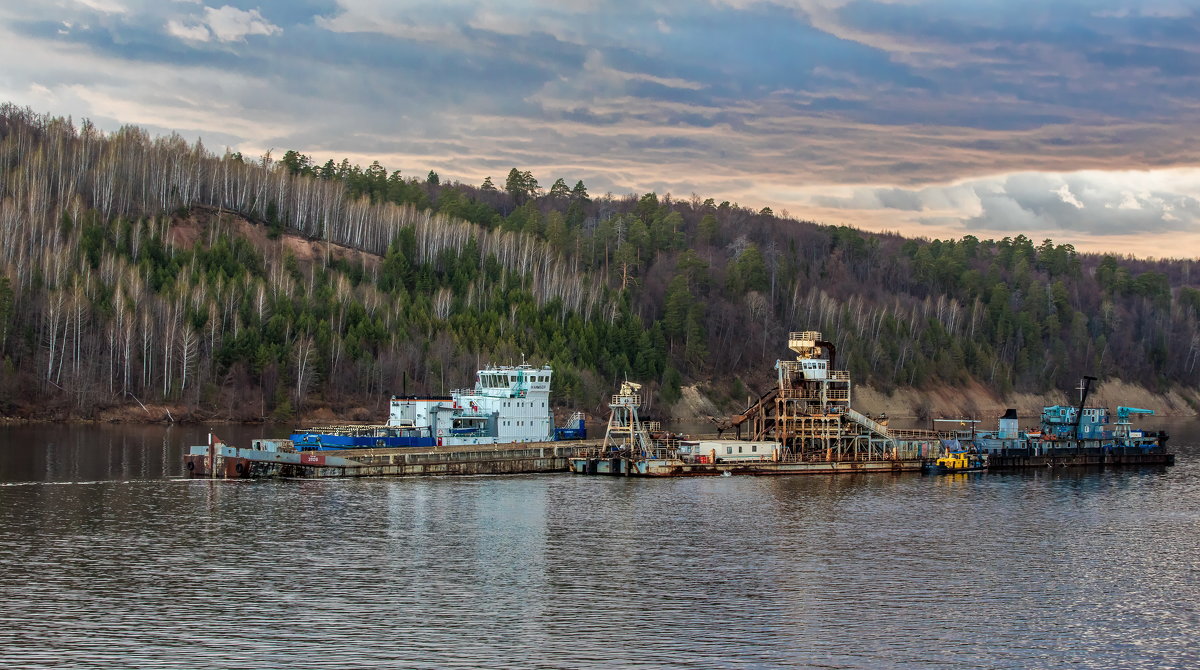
(1030, 570)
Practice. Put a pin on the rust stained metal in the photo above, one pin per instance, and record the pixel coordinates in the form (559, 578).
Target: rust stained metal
(233, 463)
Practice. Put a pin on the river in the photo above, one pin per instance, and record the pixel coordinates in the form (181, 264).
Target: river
(108, 558)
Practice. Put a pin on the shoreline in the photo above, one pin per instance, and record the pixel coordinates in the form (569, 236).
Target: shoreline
(972, 400)
(695, 406)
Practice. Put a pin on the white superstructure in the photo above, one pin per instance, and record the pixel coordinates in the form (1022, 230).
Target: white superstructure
(507, 404)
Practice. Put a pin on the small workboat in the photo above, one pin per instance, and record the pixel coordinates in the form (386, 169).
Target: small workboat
(961, 460)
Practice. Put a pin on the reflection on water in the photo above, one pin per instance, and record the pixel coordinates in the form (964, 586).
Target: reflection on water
(108, 559)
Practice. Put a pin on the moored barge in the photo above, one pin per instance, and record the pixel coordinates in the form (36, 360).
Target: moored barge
(1072, 436)
(502, 425)
(507, 404)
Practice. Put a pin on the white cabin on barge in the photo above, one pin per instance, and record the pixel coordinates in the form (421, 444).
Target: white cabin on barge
(507, 404)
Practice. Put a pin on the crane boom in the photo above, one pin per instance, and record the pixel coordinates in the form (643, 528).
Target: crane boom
(1124, 412)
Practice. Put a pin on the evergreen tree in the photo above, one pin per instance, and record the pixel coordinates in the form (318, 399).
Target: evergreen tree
(707, 231)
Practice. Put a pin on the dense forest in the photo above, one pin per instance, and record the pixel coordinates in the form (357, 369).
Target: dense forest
(138, 269)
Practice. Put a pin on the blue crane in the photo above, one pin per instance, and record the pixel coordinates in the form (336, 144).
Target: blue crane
(1124, 412)
(1123, 425)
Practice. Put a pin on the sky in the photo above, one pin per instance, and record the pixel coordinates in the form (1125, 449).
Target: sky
(1075, 120)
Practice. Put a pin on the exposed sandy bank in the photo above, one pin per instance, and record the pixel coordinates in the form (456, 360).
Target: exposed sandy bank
(979, 401)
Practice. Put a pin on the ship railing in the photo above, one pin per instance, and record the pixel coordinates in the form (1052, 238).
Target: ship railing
(839, 375)
(814, 394)
(664, 449)
(803, 338)
(487, 392)
(627, 399)
(821, 456)
(914, 434)
(354, 429)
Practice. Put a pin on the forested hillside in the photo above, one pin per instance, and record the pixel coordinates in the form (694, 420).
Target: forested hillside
(136, 269)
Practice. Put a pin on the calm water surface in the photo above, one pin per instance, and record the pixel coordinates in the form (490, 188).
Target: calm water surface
(109, 559)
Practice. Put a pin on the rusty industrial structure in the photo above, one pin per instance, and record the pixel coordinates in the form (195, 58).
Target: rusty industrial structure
(808, 412)
(805, 425)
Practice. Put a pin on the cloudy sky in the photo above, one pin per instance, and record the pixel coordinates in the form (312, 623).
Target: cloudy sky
(1077, 120)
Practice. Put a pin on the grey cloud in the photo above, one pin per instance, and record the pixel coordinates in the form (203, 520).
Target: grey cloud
(753, 100)
(896, 198)
(1087, 203)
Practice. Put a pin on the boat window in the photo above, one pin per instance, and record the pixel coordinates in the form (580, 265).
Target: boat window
(729, 450)
(739, 448)
(754, 448)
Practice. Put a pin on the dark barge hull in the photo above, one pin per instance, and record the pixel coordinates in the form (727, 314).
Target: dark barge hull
(673, 467)
(1086, 458)
(226, 462)
(943, 470)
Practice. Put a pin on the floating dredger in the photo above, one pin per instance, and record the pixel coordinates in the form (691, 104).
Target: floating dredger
(804, 425)
(1070, 435)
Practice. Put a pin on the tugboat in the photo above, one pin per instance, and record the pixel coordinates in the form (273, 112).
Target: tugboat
(956, 461)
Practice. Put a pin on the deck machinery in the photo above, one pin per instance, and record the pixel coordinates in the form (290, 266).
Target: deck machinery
(626, 431)
(809, 413)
